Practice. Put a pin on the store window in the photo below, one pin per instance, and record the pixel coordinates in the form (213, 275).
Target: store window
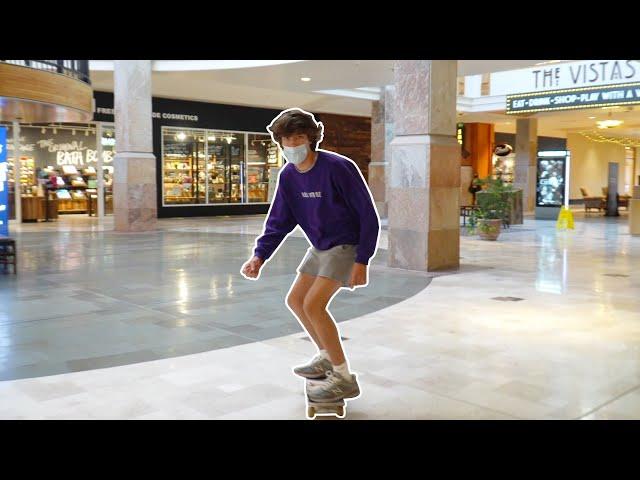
(209, 167)
(461, 83)
(262, 164)
(183, 164)
(58, 170)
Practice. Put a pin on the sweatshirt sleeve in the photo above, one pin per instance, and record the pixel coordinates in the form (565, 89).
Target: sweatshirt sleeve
(279, 223)
(351, 185)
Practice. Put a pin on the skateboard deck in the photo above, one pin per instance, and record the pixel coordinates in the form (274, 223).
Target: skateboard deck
(337, 409)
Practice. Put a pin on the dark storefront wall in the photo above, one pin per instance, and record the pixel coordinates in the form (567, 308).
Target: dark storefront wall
(544, 143)
(347, 135)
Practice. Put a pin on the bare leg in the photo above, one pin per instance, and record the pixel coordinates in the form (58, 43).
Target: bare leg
(295, 301)
(315, 306)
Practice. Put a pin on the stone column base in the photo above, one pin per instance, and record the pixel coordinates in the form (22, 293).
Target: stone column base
(382, 208)
(634, 216)
(423, 203)
(466, 175)
(134, 192)
(378, 186)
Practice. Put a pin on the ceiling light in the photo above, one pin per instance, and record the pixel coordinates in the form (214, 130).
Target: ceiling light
(55, 131)
(43, 131)
(212, 138)
(86, 133)
(591, 118)
(73, 131)
(181, 136)
(609, 123)
(305, 79)
(229, 139)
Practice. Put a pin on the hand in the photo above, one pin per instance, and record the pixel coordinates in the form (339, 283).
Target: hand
(358, 275)
(251, 268)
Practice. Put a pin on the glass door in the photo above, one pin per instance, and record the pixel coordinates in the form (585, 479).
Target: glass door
(225, 166)
(108, 141)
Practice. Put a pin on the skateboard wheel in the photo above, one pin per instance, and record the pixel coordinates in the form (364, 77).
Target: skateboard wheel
(340, 411)
(311, 412)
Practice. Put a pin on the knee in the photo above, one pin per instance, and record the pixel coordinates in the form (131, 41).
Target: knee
(312, 306)
(295, 303)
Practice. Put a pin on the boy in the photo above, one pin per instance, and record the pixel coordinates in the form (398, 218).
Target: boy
(327, 196)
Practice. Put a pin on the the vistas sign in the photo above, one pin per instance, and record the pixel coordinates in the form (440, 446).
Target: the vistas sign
(582, 74)
(574, 98)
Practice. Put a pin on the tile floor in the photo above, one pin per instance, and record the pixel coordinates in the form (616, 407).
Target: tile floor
(569, 350)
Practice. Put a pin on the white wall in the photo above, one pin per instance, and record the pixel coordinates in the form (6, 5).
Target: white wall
(590, 165)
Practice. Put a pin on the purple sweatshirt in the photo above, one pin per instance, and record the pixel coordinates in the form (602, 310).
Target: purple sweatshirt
(330, 202)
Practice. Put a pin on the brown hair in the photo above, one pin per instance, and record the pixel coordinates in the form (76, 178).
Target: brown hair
(294, 122)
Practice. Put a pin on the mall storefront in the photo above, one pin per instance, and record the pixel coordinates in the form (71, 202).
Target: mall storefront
(58, 170)
(211, 160)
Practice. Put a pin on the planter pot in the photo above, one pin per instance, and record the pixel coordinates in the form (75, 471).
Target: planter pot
(489, 229)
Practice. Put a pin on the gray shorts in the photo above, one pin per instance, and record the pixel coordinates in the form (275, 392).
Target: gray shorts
(336, 263)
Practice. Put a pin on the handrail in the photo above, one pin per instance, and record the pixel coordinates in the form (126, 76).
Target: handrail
(78, 69)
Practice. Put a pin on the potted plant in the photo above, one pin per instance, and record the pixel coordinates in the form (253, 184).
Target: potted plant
(493, 208)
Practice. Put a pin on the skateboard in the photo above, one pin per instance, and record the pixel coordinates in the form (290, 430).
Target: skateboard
(337, 408)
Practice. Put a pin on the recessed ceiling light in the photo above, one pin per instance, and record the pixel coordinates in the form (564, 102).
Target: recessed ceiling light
(591, 118)
(305, 79)
(609, 123)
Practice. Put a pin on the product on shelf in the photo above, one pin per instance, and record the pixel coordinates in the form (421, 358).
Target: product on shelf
(69, 170)
(63, 194)
(78, 182)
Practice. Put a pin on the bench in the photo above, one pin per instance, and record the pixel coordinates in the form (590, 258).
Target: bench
(8, 254)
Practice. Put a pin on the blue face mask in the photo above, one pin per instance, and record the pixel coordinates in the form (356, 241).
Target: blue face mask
(296, 155)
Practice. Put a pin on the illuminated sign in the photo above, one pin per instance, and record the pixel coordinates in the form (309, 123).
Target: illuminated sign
(586, 73)
(575, 98)
(4, 186)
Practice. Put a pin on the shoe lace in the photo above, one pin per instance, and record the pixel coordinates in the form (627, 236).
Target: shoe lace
(332, 378)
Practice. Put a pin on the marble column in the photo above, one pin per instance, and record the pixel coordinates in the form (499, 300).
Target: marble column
(525, 163)
(377, 166)
(134, 185)
(424, 181)
(389, 133)
(381, 136)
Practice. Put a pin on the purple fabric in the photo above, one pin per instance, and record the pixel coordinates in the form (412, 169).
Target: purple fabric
(330, 202)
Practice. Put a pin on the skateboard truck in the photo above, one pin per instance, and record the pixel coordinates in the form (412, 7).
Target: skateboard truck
(336, 408)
